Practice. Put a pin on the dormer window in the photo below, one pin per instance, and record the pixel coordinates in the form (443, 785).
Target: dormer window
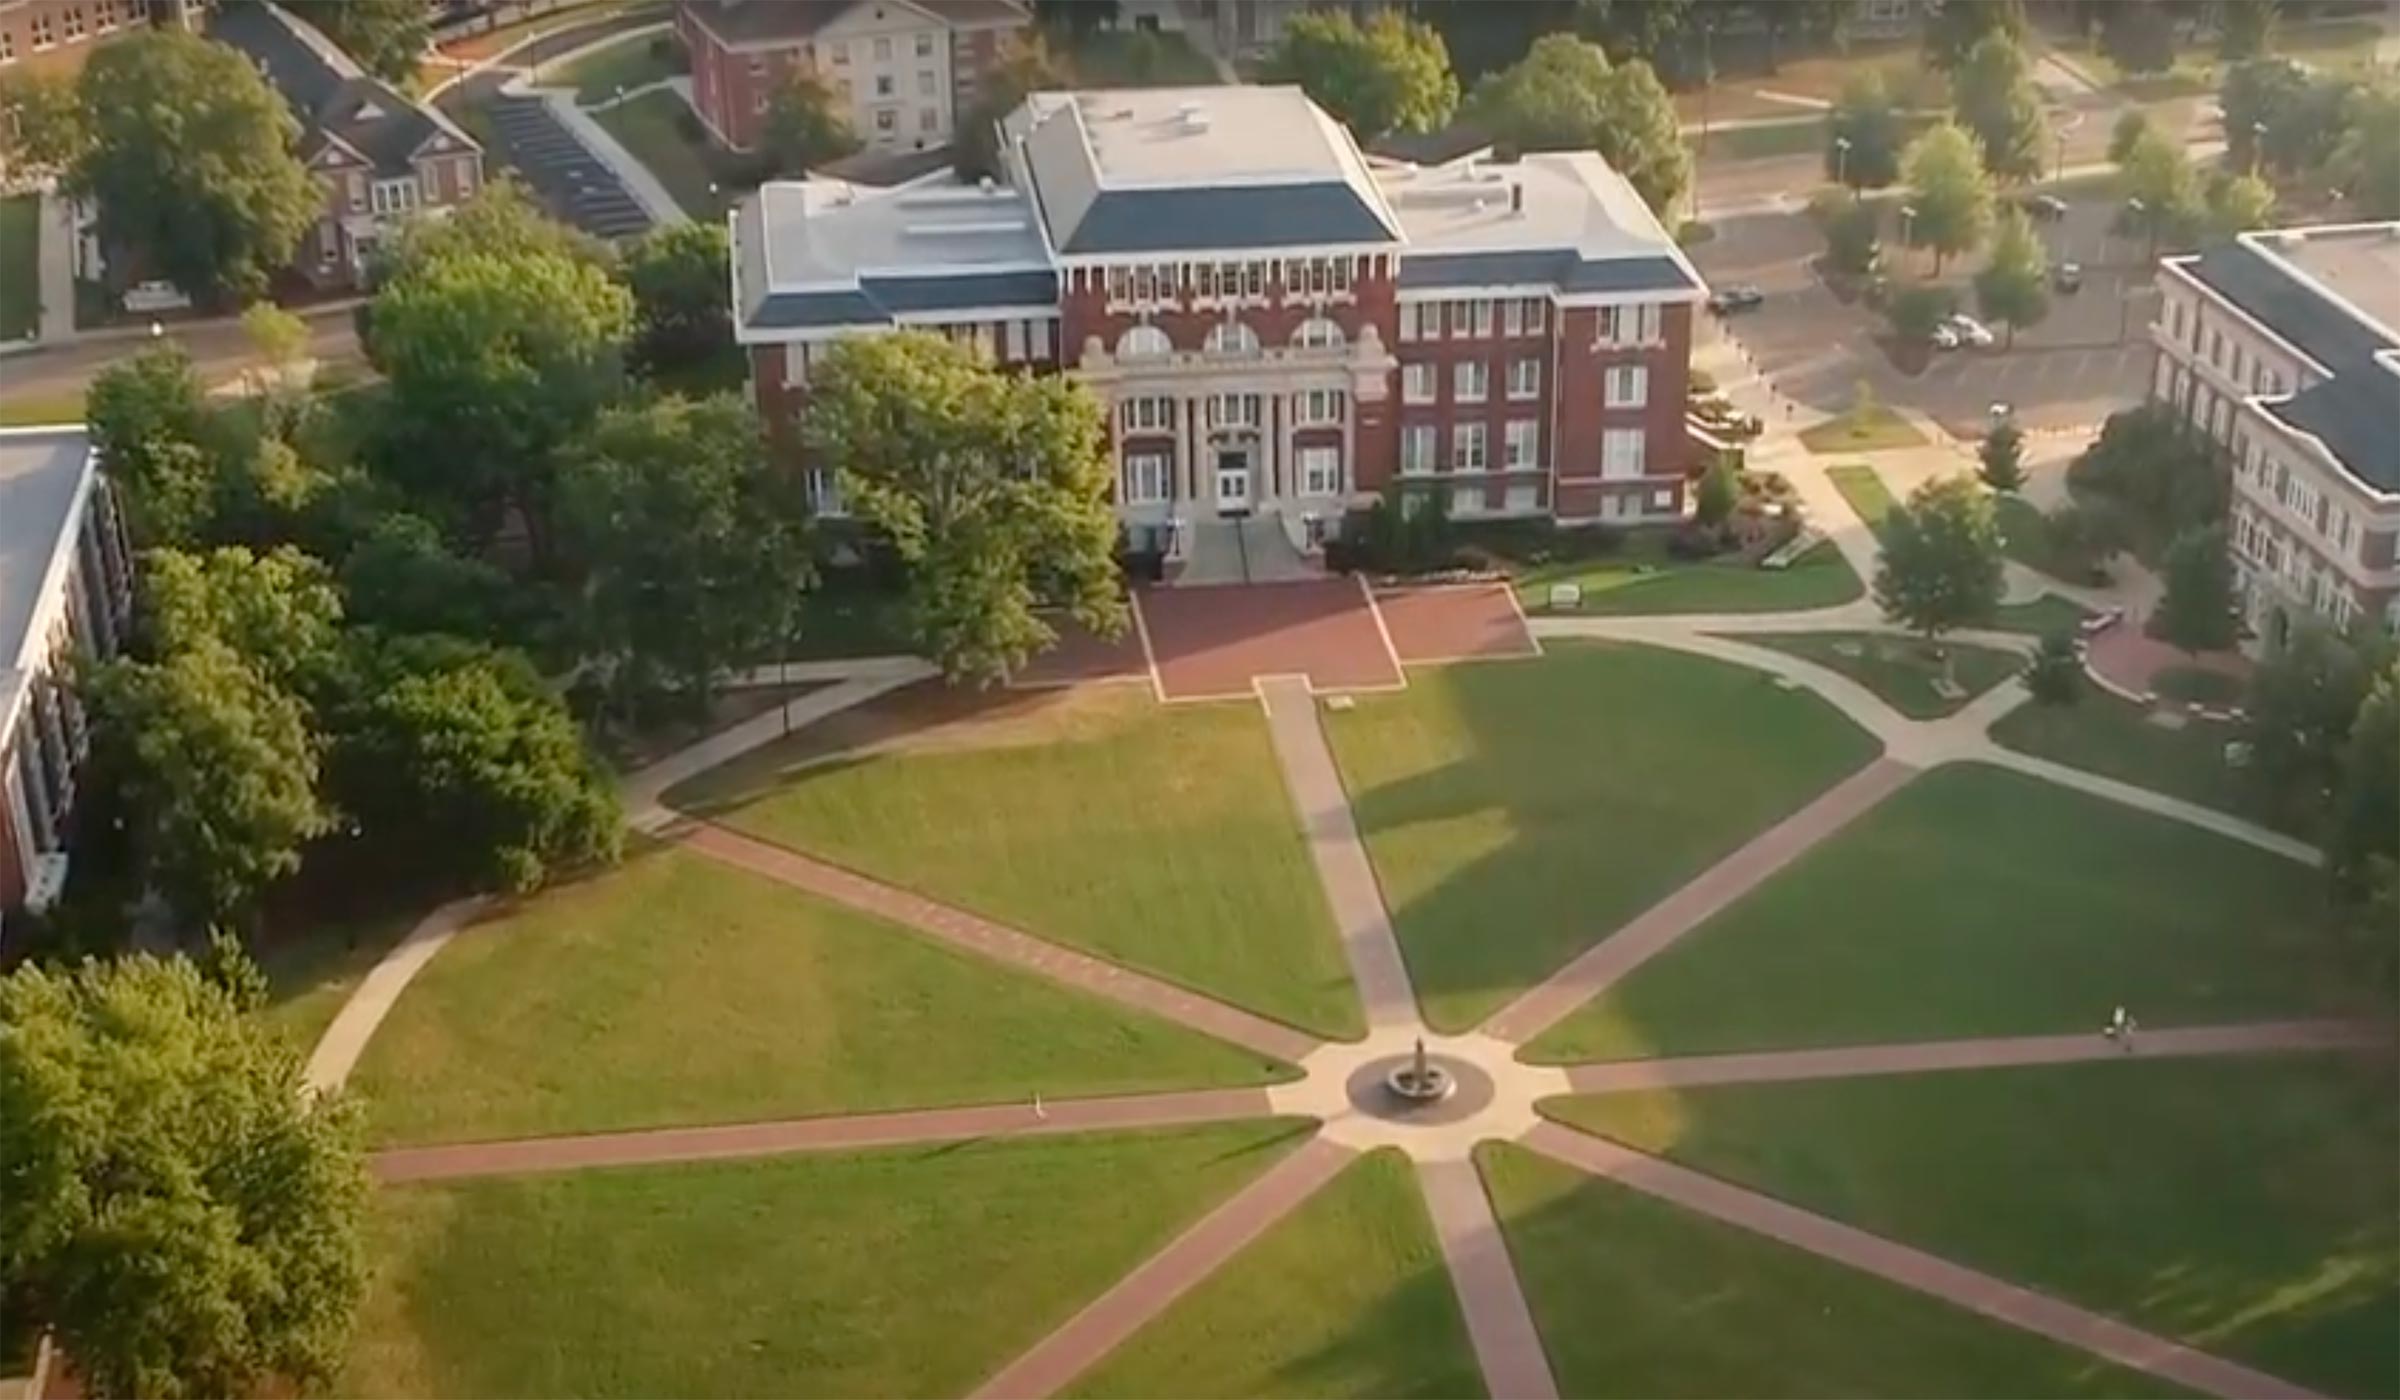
(1143, 343)
(1318, 333)
(1232, 338)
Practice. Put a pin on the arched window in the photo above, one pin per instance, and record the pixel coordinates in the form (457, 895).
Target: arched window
(1232, 338)
(1317, 333)
(1143, 343)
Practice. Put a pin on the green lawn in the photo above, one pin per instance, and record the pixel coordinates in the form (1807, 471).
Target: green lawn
(1635, 1297)
(308, 978)
(621, 67)
(677, 991)
(907, 1272)
(1348, 1297)
(42, 410)
(1643, 581)
(1159, 837)
(1869, 498)
(652, 129)
(2041, 617)
(1978, 901)
(1792, 138)
(1900, 670)
(2117, 739)
(20, 266)
(2198, 686)
(1879, 429)
(851, 620)
(1517, 814)
(2248, 1206)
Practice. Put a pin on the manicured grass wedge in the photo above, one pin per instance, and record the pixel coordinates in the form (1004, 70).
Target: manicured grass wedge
(907, 1272)
(677, 991)
(2248, 1206)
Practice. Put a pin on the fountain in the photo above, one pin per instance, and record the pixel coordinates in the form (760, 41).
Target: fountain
(1419, 1081)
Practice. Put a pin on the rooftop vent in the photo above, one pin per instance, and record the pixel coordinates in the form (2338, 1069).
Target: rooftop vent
(1192, 116)
(986, 184)
(974, 227)
(1516, 199)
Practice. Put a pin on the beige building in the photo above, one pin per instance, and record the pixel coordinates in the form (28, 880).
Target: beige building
(2283, 347)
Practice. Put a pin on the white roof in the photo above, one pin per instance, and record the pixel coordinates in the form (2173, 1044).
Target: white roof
(45, 476)
(819, 233)
(1559, 199)
(1225, 135)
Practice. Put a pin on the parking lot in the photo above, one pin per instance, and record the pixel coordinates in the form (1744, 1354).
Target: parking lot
(2088, 358)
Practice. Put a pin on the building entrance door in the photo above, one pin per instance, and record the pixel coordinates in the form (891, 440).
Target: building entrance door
(1233, 483)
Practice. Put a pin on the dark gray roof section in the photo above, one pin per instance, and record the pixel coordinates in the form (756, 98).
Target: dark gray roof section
(1226, 217)
(2357, 411)
(880, 301)
(1430, 147)
(1558, 267)
(297, 71)
(366, 113)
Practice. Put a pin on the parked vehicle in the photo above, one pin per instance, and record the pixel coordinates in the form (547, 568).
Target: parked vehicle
(1971, 331)
(1740, 297)
(1944, 337)
(2044, 206)
(2068, 277)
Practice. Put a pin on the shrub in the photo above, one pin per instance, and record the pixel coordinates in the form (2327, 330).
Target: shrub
(2055, 676)
(1695, 541)
(1915, 311)
(1720, 490)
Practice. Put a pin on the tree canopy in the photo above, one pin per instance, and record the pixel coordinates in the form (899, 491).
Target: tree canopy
(994, 488)
(2148, 472)
(2162, 196)
(1868, 118)
(190, 163)
(2001, 458)
(1565, 95)
(387, 37)
(2245, 28)
(178, 1211)
(2014, 286)
(280, 610)
(1028, 66)
(2138, 36)
(41, 122)
(2366, 160)
(1390, 74)
(1949, 191)
(1996, 100)
(806, 125)
(147, 417)
(683, 328)
(1941, 565)
(1953, 28)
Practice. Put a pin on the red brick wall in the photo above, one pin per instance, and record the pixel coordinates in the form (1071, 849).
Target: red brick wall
(778, 405)
(1582, 367)
(1495, 351)
(1084, 312)
(723, 88)
(12, 878)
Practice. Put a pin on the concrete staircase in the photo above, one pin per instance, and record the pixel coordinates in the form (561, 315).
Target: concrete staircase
(578, 185)
(1251, 550)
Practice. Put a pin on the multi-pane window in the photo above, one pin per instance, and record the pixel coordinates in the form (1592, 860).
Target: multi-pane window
(1467, 447)
(1145, 478)
(1316, 408)
(887, 119)
(1233, 410)
(1628, 386)
(1470, 381)
(924, 46)
(929, 119)
(840, 49)
(8, 46)
(924, 82)
(883, 50)
(1231, 338)
(74, 23)
(1525, 377)
(1523, 498)
(1476, 318)
(1629, 325)
(1512, 316)
(1317, 333)
(1534, 313)
(43, 35)
(1416, 383)
(1621, 452)
(1421, 320)
(1320, 471)
(394, 196)
(1417, 449)
(883, 85)
(1147, 413)
(823, 486)
(1521, 446)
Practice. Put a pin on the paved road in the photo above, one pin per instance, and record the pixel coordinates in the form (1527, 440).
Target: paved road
(217, 347)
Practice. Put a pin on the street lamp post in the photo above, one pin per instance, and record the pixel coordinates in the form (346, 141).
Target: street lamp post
(1908, 216)
(1841, 162)
(2140, 210)
(2258, 146)
(2058, 167)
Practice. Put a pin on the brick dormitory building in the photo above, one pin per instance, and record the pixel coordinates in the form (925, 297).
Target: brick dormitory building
(1277, 325)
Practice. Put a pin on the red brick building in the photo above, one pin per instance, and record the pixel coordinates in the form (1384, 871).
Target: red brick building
(56, 36)
(906, 70)
(1277, 325)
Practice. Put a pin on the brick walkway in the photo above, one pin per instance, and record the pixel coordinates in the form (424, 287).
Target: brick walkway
(1213, 643)
(1499, 1324)
(1340, 857)
(851, 1133)
(1455, 622)
(2000, 1052)
(998, 942)
(1154, 1285)
(1910, 1268)
(1655, 929)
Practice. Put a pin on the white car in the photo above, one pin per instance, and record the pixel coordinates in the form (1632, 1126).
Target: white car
(1971, 331)
(1944, 337)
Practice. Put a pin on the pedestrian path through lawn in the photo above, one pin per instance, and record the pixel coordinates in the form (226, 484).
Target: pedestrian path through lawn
(906, 1272)
(2249, 1207)
(679, 991)
(1518, 814)
(1979, 901)
(1157, 836)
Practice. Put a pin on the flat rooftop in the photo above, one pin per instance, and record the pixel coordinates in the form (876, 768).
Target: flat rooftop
(2361, 265)
(815, 232)
(41, 470)
(1567, 199)
(1222, 135)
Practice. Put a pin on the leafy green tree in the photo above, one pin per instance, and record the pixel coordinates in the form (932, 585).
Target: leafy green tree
(806, 126)
(42, 130)
(1565, 95)
(2366, 160)
(495, 360)
(2138, 36)
(993, 488)
(2132, 125)
(1389, 74)
(1995, 99)
(399, 575)
(2282, 116)
(2239, 203)
(2300, 714)
(682, 327)
(1916, 309)
(1953, 28)
(2002, 459)
(1719, 492)
(219, 768)
(2162, 197)
(148, 418)
(1644, 29)
(1027, 67)
(2245, 28)
(183, 1217)
(1941, 560)
(2151, 476)
(458, 760)
(694, 559)
(278, 611)
(2197, 611)
(2014, 286)
(1949, 190)
(2055, 675)
(1868, 118)
(1853, 242)
(2363, 833)
(387, 37)
(190, 163)
(502, 220)
(281, 341)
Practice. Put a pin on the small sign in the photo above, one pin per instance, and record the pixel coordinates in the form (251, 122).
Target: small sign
(1566, 597)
